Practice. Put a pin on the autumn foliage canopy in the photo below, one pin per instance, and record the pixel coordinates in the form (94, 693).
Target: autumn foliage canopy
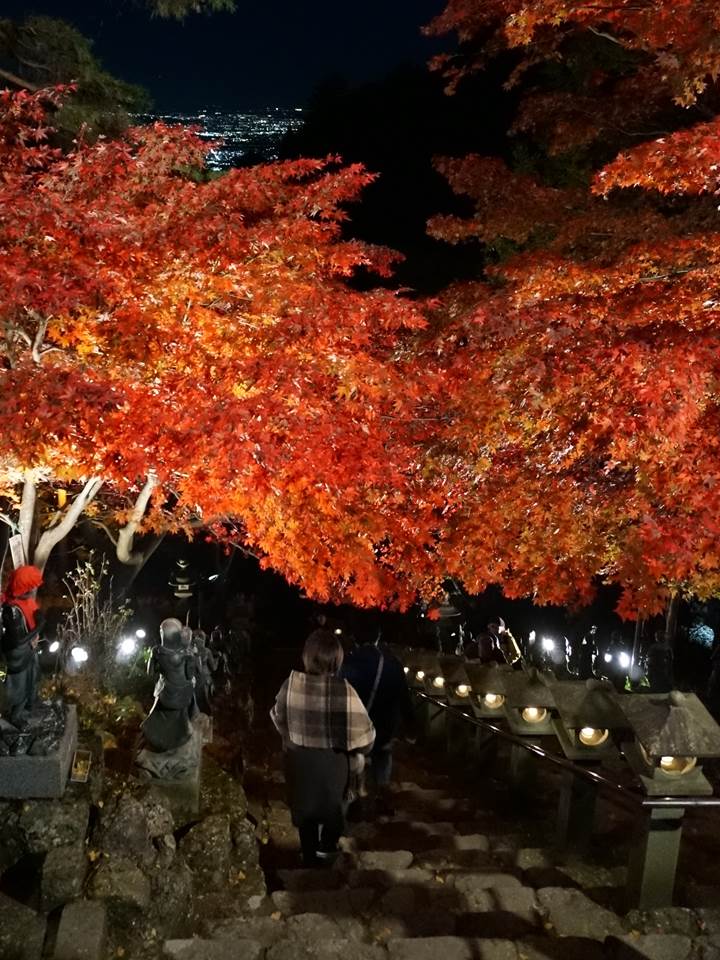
(590, 410)
(553, 425)
(205, 331)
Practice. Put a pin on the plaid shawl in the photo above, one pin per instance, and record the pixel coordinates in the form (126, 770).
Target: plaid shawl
(323, 712)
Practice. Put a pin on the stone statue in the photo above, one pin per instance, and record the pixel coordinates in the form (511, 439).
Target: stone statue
(20, 632)
(206, 663)
(167, 726)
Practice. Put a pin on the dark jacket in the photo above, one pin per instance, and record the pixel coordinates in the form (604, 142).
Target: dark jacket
(392, 704)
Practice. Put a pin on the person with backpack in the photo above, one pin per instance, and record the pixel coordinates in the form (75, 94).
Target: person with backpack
(379, 679)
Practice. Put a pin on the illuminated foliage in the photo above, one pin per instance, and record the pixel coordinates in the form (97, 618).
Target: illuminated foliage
(584, 431)
(205, 331)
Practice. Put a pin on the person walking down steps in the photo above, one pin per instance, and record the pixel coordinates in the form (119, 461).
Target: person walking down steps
(326, 733)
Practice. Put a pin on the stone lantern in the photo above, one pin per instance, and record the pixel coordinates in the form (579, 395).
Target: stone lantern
(587, 723)
(588, 718)
(528, 703)
(673, 733)
(457, 691)
(487, 682)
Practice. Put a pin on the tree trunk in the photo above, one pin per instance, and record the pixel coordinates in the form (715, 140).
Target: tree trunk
(671, 618)
(637, 640)
(26, 523)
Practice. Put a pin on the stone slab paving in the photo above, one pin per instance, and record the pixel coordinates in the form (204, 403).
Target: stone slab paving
(652, 946)
(22, 931)
(327, 950)
(197, 949)
(82, 932)
(451, 948)
(570, 913)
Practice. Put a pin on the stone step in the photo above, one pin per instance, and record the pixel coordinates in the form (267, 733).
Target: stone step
(331, 903)
(451, 948)
(326, 950)
(198, 949)
(300, 928)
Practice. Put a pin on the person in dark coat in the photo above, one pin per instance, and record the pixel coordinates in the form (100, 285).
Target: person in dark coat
(379, 679)
(326, 732)
(20, 629)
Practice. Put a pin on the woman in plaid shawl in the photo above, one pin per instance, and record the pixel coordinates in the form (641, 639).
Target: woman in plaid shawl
(326, 732)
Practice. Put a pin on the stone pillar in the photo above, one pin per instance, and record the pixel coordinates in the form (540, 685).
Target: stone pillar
(653, 860)
(576, 812)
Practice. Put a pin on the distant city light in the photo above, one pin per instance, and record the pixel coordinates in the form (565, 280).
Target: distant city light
(239, 136)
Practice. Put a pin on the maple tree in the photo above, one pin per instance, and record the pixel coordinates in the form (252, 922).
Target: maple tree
(174, 341)
(583, 432)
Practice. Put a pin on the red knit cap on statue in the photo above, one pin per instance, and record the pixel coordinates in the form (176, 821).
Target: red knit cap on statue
(23, 580)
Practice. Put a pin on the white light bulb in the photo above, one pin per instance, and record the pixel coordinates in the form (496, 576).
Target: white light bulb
(493, 701)
(548, 644)
(54, 646)
(79, 654)
(462, 690)
(420, 675)
(624, 660)
(140, 634)
(128, 646)
(439, 682)
(534, 714)
(607, 658)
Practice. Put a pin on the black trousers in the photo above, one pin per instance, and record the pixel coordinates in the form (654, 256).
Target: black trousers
(316, 782)
(316, 836)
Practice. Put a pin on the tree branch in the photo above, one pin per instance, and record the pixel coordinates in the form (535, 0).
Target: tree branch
(50, 538)
(108, 531)
(39, 337)
(9, 521)
(18, 81)
(126, 535)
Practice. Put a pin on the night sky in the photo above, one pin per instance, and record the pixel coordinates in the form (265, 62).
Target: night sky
(269, 53)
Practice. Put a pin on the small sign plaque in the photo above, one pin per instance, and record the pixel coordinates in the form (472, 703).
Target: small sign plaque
(16, 551)
(80, 770)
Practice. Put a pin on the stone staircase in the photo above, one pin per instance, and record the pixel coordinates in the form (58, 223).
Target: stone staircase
(460, 871)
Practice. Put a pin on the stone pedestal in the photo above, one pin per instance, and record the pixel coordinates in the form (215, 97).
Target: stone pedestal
(175, 774)
(27, 777)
